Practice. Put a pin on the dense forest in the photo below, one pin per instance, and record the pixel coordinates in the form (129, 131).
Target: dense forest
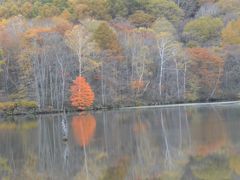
(130, 52)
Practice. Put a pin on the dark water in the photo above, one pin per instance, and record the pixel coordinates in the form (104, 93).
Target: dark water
(178, 143)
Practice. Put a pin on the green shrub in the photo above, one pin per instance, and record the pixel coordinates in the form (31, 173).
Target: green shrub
(9, 107)
(27, 104)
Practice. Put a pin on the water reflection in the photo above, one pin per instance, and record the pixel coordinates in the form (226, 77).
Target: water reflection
(200, 142)
(84, 126)
(209, 137)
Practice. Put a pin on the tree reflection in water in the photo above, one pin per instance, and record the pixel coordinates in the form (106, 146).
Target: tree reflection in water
(176, 141)
(84, 127)
(158, 143)
(65, 135)
(209, 137)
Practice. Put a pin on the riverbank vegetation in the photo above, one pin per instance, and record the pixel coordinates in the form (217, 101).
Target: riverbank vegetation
(131, 52)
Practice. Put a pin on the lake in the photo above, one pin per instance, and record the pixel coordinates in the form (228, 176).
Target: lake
(200, 142)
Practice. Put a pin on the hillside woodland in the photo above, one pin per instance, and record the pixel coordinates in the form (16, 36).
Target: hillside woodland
(128, 52)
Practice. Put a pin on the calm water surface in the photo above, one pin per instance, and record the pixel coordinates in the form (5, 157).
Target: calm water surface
(177, 143)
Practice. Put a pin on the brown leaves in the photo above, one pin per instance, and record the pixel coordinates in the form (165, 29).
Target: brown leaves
(204, 55)
(138, 84)
(206, 69)
(82, 95)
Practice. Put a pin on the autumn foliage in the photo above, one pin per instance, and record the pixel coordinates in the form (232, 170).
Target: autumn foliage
(82, 95)
(202, 54)
(206, 68)
(134, 52)
(231, 34)
(138, 84)
(84, 127)
(34, 32)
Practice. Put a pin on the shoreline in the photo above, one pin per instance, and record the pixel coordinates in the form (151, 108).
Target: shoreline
(182, 104)
(108, 108)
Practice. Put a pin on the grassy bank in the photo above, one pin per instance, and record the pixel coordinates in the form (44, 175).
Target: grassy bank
(30, 107)
(13, 108)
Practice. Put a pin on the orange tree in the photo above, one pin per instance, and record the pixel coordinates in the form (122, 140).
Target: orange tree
(206, 69)
(82, 95)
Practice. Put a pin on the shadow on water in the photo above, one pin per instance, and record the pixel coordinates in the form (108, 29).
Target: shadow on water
(195, 143)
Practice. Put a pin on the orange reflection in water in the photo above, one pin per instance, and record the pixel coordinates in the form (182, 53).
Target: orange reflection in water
(209, 136)
(84, 127)
(140, 127)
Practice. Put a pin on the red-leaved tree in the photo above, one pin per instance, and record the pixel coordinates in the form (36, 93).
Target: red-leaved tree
(82, 95)
(206, 69)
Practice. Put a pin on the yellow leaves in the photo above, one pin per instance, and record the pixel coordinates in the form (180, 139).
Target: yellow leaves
(144, 32)
(77, 31)
(61, 25)
(10, 106)
(35, 32)
(79, 40)
(76, 38)
(92, 64)
(166, 40)
(206, 1)
(163, 25)
(231, 34)
(164, 35)
(74, 2)
(231, 6)
(65, 15)
(7, 106)
(48, 10)
(27, 9)
(141, 19)
(3, 22)
(1, 63)
(166, 8)
(203, 29)
(91, 24)
(82, 10)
